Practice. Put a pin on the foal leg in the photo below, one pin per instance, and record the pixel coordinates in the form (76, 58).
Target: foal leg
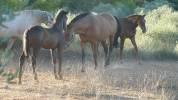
(22, 60)
(105, 47)
(34, 56)
(83, 56)
(94, 49)
(60, 62)
(53, 62)
(136, 48)
(121, 47)
(110, 50)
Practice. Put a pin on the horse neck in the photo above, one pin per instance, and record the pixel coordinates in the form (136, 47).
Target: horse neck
(57, 26)
(75, 28)
(134, 23)
(78, 28)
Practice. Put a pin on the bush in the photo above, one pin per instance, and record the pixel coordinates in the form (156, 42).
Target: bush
(5, 57)
(119, 9)
(149, 6)
(162, 33)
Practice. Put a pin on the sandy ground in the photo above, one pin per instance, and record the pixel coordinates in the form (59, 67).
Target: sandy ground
(152, 80)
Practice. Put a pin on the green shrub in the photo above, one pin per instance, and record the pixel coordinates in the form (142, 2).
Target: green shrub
(5, 57)
(149, 6)
(162, 34)
(119, 9)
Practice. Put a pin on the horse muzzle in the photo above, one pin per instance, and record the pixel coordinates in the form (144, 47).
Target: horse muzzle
(144, 31)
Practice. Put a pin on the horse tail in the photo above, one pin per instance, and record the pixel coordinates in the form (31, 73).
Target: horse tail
(117, 34)
(26, 47)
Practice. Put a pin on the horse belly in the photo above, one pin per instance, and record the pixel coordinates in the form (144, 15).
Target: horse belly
(50, 43)
(105, 33)
(107, 30)
(49, 46)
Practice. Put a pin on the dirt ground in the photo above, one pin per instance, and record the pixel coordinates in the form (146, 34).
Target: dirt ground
(150, 80)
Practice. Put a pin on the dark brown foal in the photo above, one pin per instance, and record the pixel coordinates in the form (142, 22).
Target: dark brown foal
(127, 29)
(49, 38)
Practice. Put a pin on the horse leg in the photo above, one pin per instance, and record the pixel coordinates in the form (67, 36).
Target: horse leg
(60, 62)
(97, 47)
(34, 56)
(121, 47)
(83, 56)
(94, 49)
(115, 42)
(105, 48)
(110, 50)
(22, 60)
(136, 48)
(53, 62)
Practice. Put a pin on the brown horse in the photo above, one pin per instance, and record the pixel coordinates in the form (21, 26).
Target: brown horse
(49, 38)
(94, 28)
(127, 29)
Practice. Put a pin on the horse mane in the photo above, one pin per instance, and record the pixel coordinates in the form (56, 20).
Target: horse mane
(78, 17)
(133, 17)
(58, 15)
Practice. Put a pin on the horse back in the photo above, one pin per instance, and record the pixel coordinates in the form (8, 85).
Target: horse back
(109, 21)
(127, 27)
(104, 25)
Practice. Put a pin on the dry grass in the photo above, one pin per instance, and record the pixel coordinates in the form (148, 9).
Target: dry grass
(128, 81)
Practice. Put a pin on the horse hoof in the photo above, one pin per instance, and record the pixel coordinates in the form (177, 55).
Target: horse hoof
(95, 68)
(60, 77)
(82, 70)
(139, 63)
(56, 77)
(19, 83)
(35, 78)
(106, 64)
(120, 62)
(37, 81)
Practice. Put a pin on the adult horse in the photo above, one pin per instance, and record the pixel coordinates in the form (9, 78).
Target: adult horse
(94, 28)
(49, 38)
(127, 29)
(21, 21)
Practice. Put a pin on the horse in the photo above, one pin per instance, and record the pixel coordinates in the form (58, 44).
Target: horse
(127, 29)
(49, 38)
(22, 20)
(94, 28)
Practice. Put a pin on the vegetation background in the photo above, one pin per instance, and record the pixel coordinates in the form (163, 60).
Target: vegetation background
(159, 43)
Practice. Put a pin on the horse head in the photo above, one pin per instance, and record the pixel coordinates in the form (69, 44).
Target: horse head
(138, 20)
(141, 23)
(72, 25)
